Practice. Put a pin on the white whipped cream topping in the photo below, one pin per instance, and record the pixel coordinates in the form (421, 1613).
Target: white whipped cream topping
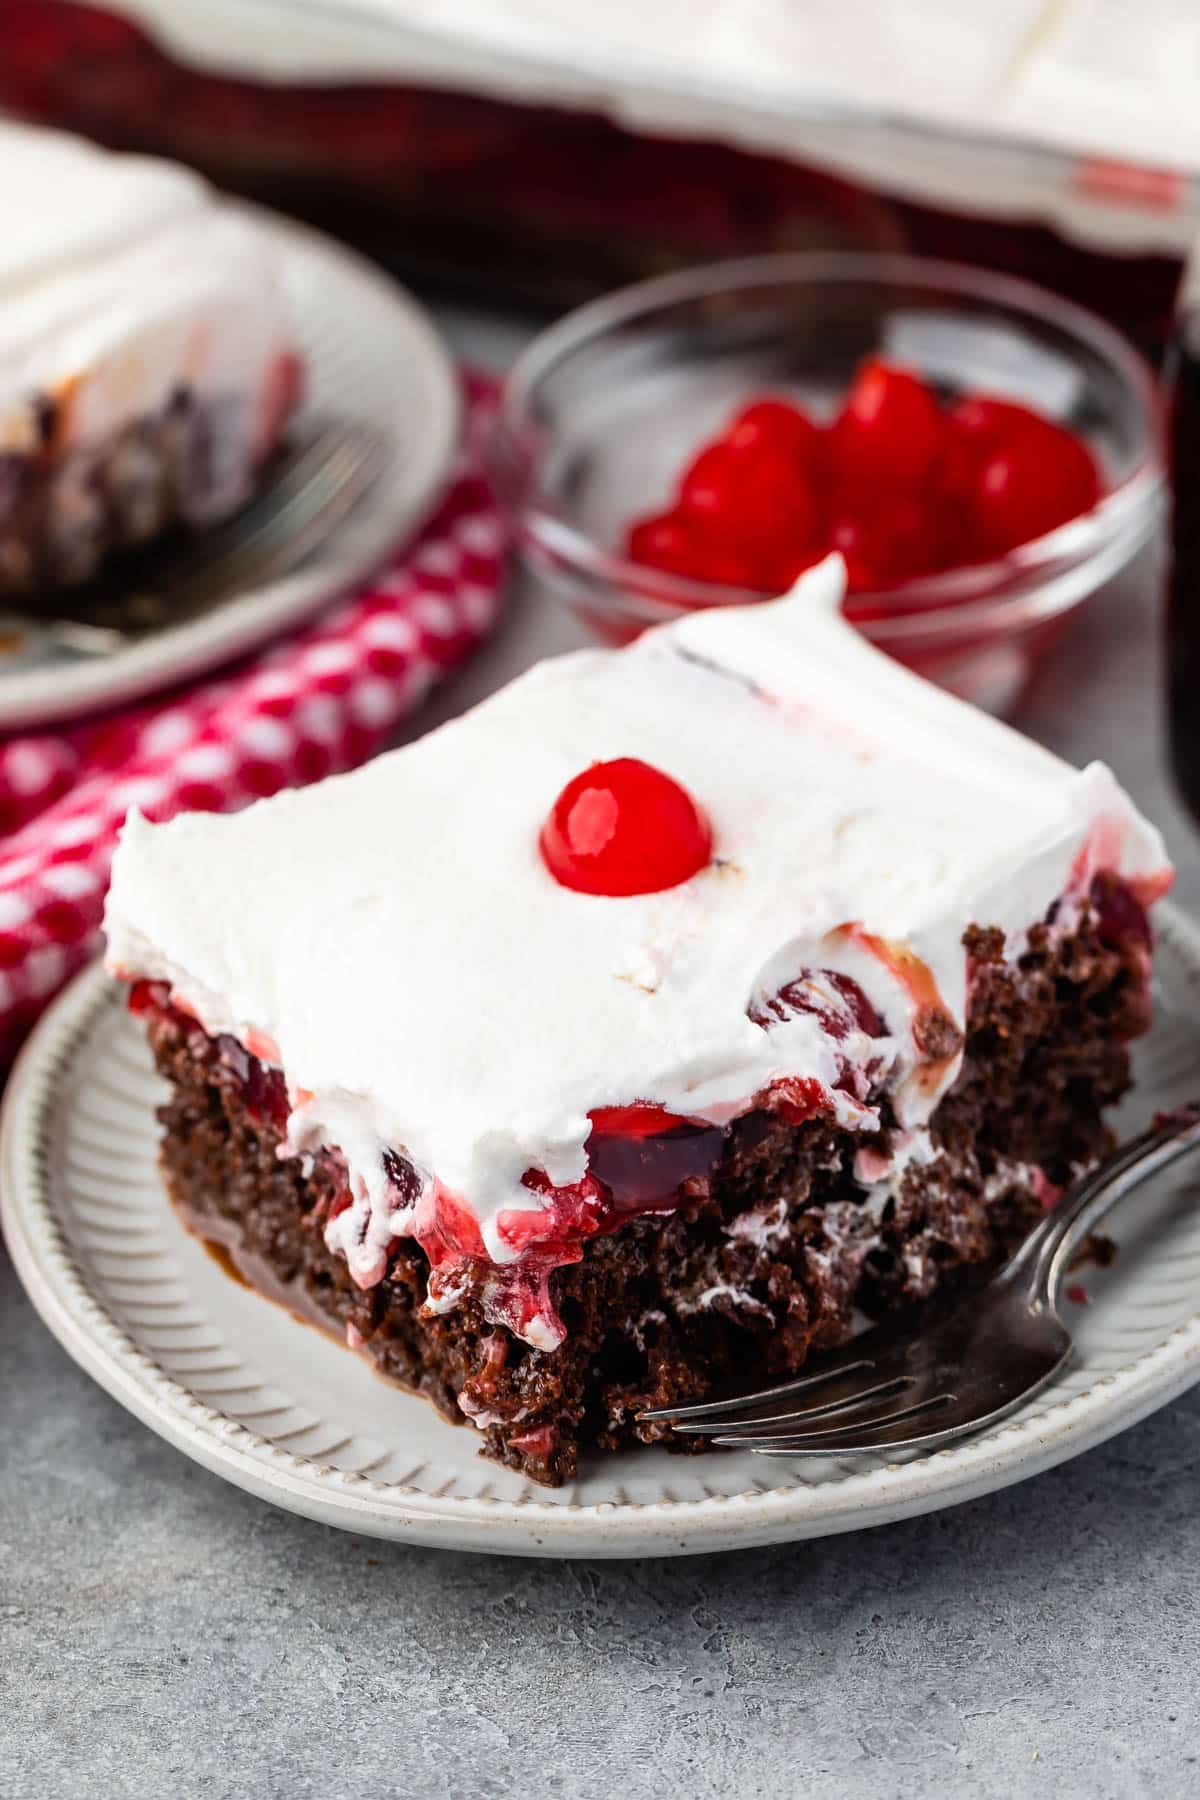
(120, 278)
(429, 986)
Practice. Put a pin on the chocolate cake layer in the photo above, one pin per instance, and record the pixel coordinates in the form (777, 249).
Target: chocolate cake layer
(762, 1262)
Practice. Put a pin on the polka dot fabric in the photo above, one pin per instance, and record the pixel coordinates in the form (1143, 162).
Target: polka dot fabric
(320, 702)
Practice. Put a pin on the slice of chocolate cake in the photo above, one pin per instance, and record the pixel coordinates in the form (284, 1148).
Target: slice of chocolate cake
(620, 1038)
(147, 361)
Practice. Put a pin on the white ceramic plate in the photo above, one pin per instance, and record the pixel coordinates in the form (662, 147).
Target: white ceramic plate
(275, 1407)
(373, 357)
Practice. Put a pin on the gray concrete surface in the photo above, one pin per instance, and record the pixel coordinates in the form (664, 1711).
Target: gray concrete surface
(163, 1634)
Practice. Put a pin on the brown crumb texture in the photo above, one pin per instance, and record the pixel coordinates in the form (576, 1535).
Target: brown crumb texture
(762, 1263)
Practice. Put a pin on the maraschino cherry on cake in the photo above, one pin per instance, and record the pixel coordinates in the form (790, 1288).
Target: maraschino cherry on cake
(620, 1038)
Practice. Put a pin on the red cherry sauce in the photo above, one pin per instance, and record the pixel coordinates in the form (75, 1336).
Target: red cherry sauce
(644, 1159)
(1122, 924)
(936, 1036)
(841, 1007)
(1121, 919)
(264, 1090)
(641, 1159)
(1119, 904)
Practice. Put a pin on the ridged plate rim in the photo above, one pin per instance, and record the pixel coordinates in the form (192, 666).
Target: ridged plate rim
(60, 1291)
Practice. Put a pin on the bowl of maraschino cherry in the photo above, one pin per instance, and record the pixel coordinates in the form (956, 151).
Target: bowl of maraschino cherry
(983, 455)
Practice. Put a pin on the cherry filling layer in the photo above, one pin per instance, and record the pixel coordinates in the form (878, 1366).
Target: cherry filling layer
(640, 1158)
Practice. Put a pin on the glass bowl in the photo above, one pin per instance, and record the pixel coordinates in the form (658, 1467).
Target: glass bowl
(604, 410)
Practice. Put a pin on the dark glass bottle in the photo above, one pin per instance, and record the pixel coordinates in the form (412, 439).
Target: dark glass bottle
(1183, 603)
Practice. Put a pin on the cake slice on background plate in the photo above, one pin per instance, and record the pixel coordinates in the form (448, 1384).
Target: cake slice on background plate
(147, 362)
(618, 1039)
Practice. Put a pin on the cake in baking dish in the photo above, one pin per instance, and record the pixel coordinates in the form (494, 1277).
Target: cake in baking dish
(620, 1038)
(148, 364)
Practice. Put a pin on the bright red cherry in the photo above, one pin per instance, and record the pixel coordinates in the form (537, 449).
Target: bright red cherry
(643, 1119)
(1031, 487)
(779, 510)
(623, 828)
(778, 571)
(889, 429)
(708, 488)
(902, 486)
(953, 475)
(663, 542)
(851, 539)
(749, 502)
(897, 539)
(913, 538)
(775, 426)
(1030, 473)
(990, 423)
(671, 542)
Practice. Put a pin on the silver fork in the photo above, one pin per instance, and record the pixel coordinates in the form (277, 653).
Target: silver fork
(894, 1389)
(312, 489)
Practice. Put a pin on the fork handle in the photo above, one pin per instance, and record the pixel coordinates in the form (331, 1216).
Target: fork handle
(1045, 1255)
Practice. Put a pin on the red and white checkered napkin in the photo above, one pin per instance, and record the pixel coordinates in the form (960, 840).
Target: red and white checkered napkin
(319, 702)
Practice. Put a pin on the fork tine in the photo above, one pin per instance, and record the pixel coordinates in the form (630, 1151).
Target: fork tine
(797, 1418)
(882, 1351)
(975, 1404)
(875, 1432)
(802, 1384)
(318, 487)
(310, 492)
(307, 497)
